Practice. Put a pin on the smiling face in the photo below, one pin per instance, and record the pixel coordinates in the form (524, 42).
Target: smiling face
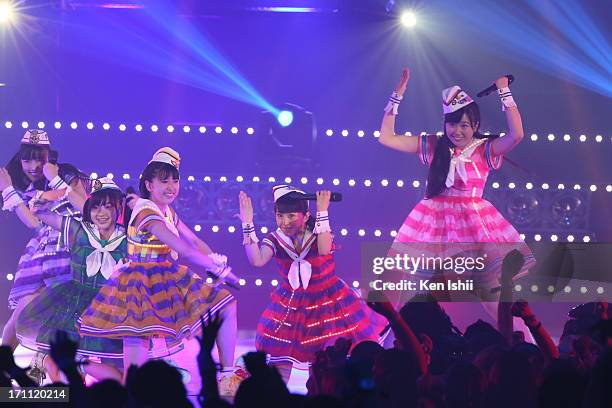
(33, 158)
(104, 215)
(163, 191)
(292, 223)
(461, 133)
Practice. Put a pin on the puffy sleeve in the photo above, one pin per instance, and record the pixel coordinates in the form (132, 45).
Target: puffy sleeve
(270, 242)
(494, 162)
(426, 148)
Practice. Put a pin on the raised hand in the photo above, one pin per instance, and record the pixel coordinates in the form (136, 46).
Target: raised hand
(521, 309)
(502, 82)
(323, 198)
(246, 208)
(511, 265)
(50, 171)
(210, 329)
(403, 82)
(5, 179)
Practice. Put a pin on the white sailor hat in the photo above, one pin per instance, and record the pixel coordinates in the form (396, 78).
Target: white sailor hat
(35, 137)
(454, 98)
(284, 189)
(167, 155)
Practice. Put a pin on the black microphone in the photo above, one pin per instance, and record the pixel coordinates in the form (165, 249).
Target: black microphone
(313, 197)
(492, 88)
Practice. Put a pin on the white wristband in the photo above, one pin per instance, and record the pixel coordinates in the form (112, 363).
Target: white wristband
(10, 199)
(506, 98)
(57, 183)
(249, 235)
(393, 104)
(322, 223)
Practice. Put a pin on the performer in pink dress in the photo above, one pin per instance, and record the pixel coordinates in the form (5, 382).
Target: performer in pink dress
(311, 307)
(453, 210)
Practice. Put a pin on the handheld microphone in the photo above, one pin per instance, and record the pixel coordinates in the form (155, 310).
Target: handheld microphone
(313, 197)
(492, 88)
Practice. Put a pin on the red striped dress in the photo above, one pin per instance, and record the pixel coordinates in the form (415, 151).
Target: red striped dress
(299, 322)
(460, 215)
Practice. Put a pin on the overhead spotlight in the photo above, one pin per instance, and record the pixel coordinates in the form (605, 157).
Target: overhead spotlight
(186, 129)
(8, 124)
(202, 129)
(41, 125)
(122, 127)
(90, 125)
(288, 180)
(218, 130)
(250, 131)
(138, 128)
(234, 130)
(329, 132)
(304, 180)
(360, 133)
(7, 12)
(376, 133)
(73, 125)
(408, 19)
(343, 232)
(57, 125)
(170, 128)
(345, 133)
(351, 183)
(25, 125)
(285, 118)
(534, 137)
(319, 181)
(105, 126)
(154, 128)
(336, 182)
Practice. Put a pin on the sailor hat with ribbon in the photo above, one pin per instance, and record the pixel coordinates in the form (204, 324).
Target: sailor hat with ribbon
(167, 155)
(454, 98)
(35, 137)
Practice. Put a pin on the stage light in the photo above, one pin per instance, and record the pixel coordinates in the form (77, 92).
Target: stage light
(170, 128)
(511, 185)
(271, 180)
(274, 282)
(319, 181)
(529, 186)
(57, 125)
(336, 182)
(416, 183)
(285, 118)
(577, 187)
(218, 130)
(537, 237)
(551, 289)
(400, 183)
(215, 228)
(567, 289)
(609, 188)
(360, 133)
(376, 133)
(202, 129)
(241, 282)
(567, 137)
(105, 126)
(570, 238)
(561, 186)
(361, 232)
(209, 280)
(545, 186)
(239, 179)
(600, 290)
(554, 238)
(223, 179)
(73, 125)
(41, 125)
(110, 176)
(593, 188)
(344, 232)
(351, 183)
(7, 12)
(384, 182)
(9, 276)
(534, 137)
(329, 132)
(8, 124)
(207, 178)
(138, 128)
(408, 19)
(393, 233)
(126, 176)
(190, 178)
(586, 238)
(304, 180)
(186, 129)
(231, 229)
(256, 179)
(258, 282)
(234, 130)
(250, 131)
(583, 138)
(495, 184)
(598, 138)
(345, 133)
(583, 290)
(154, 128)
(534, 288)
(367, 183)
(25, 125)
(122, 127)
(377, 233)
(93, 176)
(355, 284)
(89, 125)
(522, 237)
(551, 137)
(288, 180)
(264, 230)
(197, 228)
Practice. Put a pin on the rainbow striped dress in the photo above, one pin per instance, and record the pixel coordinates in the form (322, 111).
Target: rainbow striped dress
(153, 295)
(310, 310)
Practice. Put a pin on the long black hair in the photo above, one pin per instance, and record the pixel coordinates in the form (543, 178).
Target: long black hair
(440, 163)
(288, 204)
(156, 169)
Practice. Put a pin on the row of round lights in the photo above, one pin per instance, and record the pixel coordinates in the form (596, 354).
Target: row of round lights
(369, 183)
(260, 282)
(329, 132)
(393, 233)
(534, 288)
(138, 128)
